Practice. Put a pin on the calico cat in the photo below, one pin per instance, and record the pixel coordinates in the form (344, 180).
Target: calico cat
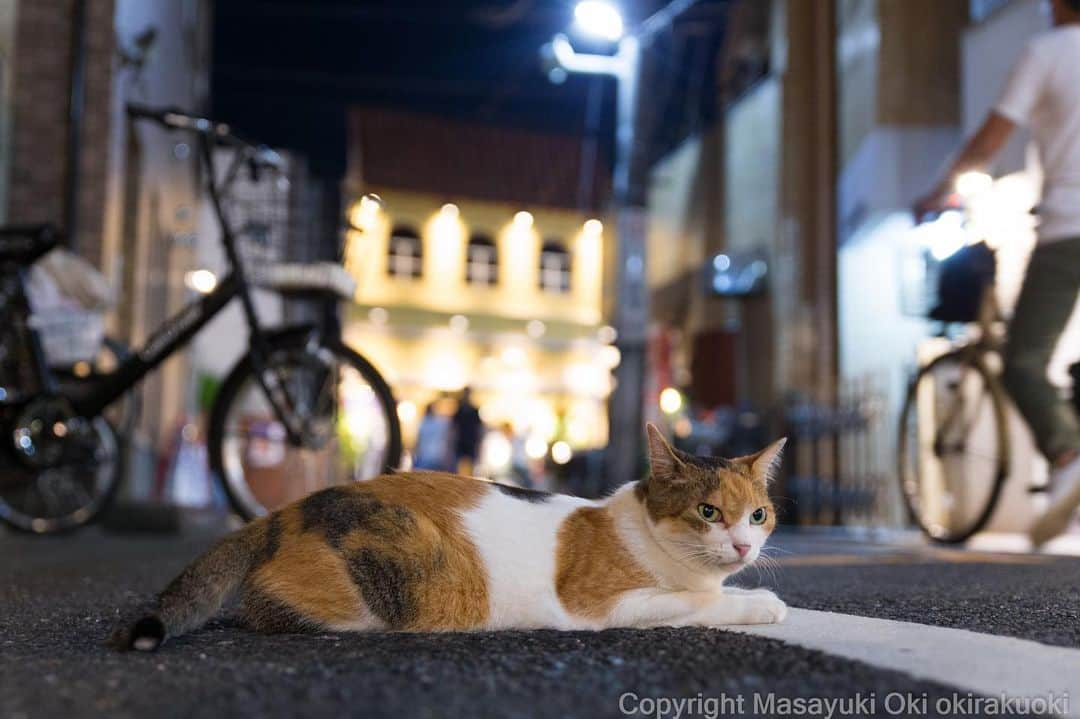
(437, 552)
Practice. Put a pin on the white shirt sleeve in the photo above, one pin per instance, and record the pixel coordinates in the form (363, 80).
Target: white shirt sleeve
(1024, 88)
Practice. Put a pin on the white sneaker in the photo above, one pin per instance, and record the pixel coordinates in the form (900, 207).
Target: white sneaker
(1064, 500)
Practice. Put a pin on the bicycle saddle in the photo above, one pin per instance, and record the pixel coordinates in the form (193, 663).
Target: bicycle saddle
(24, 244)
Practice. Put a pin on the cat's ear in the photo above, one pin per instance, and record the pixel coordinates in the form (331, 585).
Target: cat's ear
(765, 464)
(665, 464)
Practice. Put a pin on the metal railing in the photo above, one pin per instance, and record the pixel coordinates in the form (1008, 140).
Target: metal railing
(837, 468)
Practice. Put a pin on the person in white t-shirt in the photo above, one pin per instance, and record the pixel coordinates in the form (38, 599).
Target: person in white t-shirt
(1043, 94)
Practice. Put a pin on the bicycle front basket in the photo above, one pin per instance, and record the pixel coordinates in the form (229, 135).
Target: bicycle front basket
(961, 283)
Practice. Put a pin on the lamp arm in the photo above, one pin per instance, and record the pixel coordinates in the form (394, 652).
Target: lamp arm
(572, 61)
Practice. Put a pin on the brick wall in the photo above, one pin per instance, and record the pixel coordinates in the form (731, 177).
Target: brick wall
(41, 88)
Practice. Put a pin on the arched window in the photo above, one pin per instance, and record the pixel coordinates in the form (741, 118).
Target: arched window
(406, 255)
(554, 267)
(482, 261)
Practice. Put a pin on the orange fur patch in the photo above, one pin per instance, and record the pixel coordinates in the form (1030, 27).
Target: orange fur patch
(308, 576)
(438, 496)
(393, 547)
(593, 567)
(448, 583)
(736, 493)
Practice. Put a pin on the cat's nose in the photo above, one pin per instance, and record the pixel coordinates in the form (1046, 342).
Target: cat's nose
(742, 549)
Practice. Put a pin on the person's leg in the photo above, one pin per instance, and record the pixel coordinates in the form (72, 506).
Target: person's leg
(1046, 302)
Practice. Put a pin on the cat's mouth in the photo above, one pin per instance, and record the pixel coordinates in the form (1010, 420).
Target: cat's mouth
(697, 557)
(717, 561)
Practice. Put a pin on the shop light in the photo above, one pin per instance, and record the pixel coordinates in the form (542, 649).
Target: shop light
(446, 373)
(607, 334)
(671, 400)
(523, 220)
(202, 281)
(406, 411)
(578, 430)
(446, 227)
(587, 379)
(539, 415)
(561, 452)
(378, 316)
(497, 452)
(459, 324)
(513, 356)
(365, 213)
(594, 228)
(610, 356)
(535, 329)
(536, 447)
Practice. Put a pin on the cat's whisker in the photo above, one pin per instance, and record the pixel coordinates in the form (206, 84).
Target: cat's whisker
(770, 567)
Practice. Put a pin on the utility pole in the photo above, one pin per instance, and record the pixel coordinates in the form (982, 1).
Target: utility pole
(631, 316)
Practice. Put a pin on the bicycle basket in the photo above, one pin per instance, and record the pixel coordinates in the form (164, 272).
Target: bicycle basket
(962, 280)
(69, 336)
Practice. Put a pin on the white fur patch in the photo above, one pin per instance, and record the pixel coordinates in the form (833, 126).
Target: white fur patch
(517, 543)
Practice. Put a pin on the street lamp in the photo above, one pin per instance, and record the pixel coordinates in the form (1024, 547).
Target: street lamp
(601, 19)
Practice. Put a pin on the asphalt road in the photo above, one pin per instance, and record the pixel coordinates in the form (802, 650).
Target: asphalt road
(60, 596)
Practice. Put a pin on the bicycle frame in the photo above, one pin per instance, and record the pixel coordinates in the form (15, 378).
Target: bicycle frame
(176, 332)
(95, 395)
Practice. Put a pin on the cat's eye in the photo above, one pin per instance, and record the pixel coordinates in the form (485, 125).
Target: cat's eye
(709, 513)
(758, 516)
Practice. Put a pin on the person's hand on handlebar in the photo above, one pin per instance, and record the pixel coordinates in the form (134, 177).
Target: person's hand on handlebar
(940, 199)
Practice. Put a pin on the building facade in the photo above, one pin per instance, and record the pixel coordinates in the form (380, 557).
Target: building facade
(489, 277)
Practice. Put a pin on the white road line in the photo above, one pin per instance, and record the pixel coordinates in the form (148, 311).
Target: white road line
(1066, 544)
(969, 661)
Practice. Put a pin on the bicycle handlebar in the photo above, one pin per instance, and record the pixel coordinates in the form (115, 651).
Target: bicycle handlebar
(172, 118)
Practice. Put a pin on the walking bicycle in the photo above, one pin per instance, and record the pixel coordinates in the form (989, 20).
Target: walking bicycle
(954, 444)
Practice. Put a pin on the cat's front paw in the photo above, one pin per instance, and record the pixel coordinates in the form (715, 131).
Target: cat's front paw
(766, 608)
(760, 607)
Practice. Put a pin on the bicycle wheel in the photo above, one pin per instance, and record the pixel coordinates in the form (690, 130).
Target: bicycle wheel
(351, 430)
(65, 495)
(70, 468)
(953, 447)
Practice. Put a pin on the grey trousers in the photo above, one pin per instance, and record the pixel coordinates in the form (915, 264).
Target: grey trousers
(1046, 302)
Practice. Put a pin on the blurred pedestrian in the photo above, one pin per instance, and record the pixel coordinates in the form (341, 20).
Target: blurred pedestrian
(519, 457)
(1043, 93)
(468, 429)
(434, 439)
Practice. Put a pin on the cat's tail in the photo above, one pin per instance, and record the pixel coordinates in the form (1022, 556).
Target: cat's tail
(197, 594)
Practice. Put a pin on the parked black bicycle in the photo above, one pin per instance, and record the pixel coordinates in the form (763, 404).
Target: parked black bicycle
(300, 411)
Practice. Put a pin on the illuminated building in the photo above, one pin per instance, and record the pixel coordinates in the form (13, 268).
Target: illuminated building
(480, 269)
